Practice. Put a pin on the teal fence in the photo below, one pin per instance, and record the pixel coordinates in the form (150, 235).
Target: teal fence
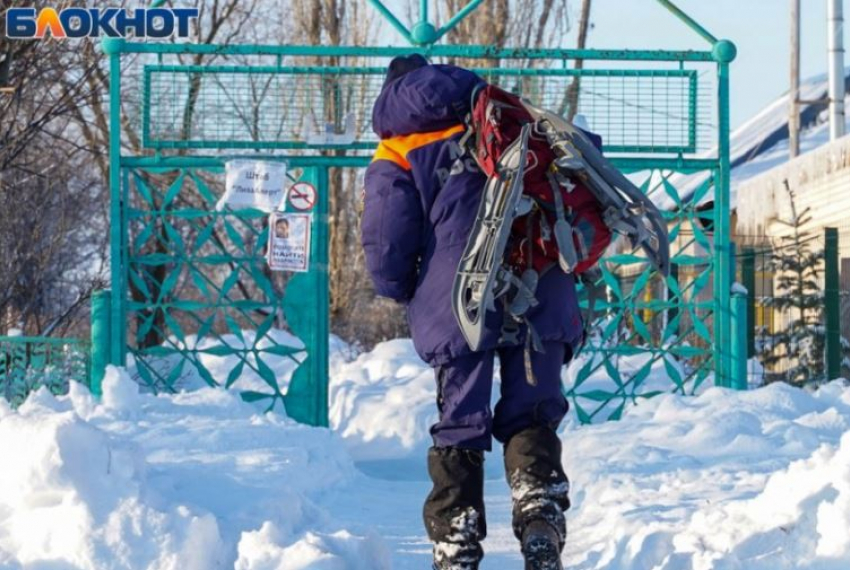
(773, 312)
(30, 363)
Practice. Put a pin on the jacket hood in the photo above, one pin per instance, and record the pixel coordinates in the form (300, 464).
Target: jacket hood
(429, 98)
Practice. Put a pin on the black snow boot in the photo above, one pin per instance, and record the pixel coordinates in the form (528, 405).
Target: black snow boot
(540, 491)
(454, 510)
(541, 546)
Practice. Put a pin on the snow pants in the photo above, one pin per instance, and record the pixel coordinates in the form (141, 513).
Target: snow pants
(465, 384)
(525, 420)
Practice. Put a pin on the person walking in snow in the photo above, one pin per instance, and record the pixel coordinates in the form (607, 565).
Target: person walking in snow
(421, 198)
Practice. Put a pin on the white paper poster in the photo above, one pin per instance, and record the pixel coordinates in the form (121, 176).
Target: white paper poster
(289, 242)
(254, 184)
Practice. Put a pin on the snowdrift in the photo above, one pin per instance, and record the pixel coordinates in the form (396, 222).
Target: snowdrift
(382, 402)
(755, 480)
(196, 481)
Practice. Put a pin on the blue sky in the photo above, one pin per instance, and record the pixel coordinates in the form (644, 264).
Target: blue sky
(760, 29)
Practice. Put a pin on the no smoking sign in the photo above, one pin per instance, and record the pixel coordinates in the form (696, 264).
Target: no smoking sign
(302, 196)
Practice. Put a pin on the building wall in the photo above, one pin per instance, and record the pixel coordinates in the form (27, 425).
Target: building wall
(821, 182)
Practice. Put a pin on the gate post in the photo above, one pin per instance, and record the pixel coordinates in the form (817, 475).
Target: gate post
(113, 47)
(321, 248)
(101, 317)
(832, 305)
(740, 332)
(306, 399)
(738, 328)
(724, 53)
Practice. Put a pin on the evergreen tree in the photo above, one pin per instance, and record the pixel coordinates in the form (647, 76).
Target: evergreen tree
(797, 263)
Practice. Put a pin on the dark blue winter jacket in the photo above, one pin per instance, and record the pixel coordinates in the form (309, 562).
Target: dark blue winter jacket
(422, 195)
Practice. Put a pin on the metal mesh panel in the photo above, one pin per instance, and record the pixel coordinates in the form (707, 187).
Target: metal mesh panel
(249, 108)
(267, 107)
(633, 111)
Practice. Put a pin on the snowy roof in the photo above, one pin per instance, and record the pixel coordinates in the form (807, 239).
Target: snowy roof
(761, 143)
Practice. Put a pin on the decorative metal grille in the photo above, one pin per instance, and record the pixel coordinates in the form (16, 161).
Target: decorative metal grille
(27, 364)
(652, 334)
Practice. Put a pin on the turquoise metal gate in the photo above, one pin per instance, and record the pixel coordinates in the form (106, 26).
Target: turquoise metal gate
(198, 303)
(202, 304)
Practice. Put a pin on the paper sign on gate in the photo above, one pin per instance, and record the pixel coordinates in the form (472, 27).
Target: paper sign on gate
(289, 242)
(253, 184)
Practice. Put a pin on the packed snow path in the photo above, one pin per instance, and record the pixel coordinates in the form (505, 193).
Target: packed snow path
(391, 497)
(202, 481)
(756, 480)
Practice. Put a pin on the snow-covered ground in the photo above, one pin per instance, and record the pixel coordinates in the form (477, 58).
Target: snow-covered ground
(201, 480)
(196, 481)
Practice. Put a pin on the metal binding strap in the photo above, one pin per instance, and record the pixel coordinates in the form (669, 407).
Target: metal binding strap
(567, 255)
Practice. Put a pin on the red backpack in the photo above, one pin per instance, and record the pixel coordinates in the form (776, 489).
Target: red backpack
(495, 122)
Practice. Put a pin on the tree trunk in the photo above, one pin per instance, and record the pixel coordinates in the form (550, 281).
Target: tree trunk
(573, 91)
